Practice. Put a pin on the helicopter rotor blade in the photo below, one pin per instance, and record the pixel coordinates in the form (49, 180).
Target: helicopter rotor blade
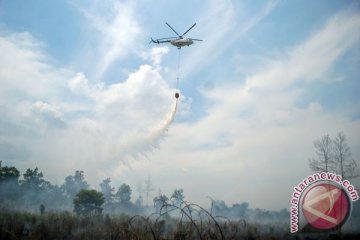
(194, 39)
(189, 29)
(172, 29)
(167, 38)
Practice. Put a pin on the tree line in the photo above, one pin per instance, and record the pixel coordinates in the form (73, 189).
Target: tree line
(32, 193)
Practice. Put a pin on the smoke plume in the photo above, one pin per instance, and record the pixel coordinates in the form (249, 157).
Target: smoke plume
(142, 145)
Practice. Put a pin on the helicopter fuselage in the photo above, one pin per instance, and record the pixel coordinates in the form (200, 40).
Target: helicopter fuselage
(181, 42)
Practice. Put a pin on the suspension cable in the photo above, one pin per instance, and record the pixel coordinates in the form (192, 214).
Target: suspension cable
(178, 70)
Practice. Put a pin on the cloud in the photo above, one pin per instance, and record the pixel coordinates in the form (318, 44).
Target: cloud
(155, 54)
(61, 119)
(312, 59)
(116, 31)
(80, 84)
(250, 142)
(254, 139)
(46, 113)
(221, 26)
(33, 75)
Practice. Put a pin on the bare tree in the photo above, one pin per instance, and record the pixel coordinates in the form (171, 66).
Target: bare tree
(323, 162)
(148, 188)
(345, 165)
(335, 156)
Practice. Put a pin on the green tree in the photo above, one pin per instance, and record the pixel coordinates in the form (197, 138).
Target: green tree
(73, 184)
(33, 187)
(34, 180)
(240, 210)
(123, 195)
(88, 201)
(177, 197)
(160, 201)
(9, 185)
(219, 207)
(108, 192)
(9, 174)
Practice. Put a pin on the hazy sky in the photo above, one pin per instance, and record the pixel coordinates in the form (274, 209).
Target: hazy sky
(81, 88)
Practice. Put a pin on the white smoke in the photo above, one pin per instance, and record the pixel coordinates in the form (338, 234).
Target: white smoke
(160, 130)
(142, 145)
(58, 119)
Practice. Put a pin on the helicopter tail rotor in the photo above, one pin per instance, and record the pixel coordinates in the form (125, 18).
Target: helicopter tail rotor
(154, 41)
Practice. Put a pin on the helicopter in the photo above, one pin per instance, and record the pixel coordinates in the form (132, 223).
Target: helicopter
(179, 41)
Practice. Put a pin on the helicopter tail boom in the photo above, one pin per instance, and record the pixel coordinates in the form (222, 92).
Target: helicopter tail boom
(161, 40)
